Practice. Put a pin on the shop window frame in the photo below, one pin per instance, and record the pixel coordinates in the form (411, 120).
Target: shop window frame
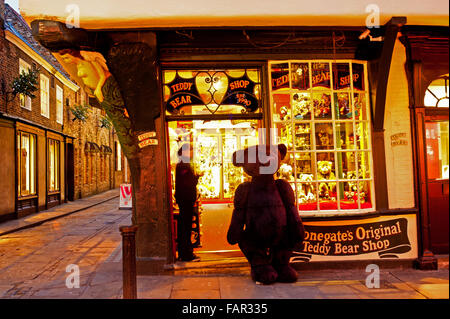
(332, 90)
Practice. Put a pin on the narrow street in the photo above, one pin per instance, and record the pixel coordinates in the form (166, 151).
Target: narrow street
(33, 261)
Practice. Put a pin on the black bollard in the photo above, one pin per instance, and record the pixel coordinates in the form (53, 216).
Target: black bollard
(129, 261)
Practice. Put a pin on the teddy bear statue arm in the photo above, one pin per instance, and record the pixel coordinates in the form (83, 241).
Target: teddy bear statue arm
(238, 218)
(294, 222)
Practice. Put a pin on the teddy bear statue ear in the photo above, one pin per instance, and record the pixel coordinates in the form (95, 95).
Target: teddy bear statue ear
(283, 150)
(238, 158)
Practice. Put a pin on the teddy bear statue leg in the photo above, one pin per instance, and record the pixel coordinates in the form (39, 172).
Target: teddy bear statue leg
(280, 262)
(261, 269)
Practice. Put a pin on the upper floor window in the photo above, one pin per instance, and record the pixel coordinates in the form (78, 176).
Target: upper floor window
(436, 94)
(25, 101)
(45, 96)
(59, 104)
(320, 111)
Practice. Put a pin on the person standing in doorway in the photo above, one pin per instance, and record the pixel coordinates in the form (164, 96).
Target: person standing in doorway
(185, 195)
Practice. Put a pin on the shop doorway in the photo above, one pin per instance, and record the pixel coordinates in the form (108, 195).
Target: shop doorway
(437, 157)
(213, 142)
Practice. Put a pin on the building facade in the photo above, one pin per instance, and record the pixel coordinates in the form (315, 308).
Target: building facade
(43, 162)
(366, 150)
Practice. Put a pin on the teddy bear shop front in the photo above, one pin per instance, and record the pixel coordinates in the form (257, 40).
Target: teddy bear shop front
(320, 110)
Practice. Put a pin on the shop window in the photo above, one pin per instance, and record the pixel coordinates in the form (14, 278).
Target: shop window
(53, 165)
(45, 96)
(59, 104)
(320, 111)
(26, 160)
(206, 92)
(25, 101)
(436, 94)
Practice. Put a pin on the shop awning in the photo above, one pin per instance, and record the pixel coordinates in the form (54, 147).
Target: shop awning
(118, 14)
(91, 147)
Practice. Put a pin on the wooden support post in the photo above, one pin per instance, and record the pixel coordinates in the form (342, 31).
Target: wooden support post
(129, 261)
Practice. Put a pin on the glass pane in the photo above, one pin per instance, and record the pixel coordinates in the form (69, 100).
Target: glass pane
(365, 194)
(280, 76)
(345, 162)
(301, 104)
(32, 164)
(207, 161)
(321, 75)
(286, 170)
(324, 136)
(284, 135)
(358, 76)
(348, 195)
(344, 135)
(363, 165)
(361, 136)
(322, 106)
(303, 137)
(360, 107)
(231, 174)
(437, 93)
(327, 196)
(307, 196)
(25, 165)
(342, 106)
(305, 163)
(300, 76)
(212, 91)
(437, 149)
(341, 76)
(51, 164)
(281, 107)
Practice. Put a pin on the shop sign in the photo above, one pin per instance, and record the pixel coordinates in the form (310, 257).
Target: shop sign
(399, 139)
(125, 196)
(147, 138)
(204, 90)
(280, 76)
(380, 239)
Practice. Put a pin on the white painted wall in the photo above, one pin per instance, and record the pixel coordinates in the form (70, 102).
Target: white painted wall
(399, 158)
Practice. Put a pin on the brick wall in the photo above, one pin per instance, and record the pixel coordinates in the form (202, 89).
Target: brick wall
(399, 159)
(95, 172)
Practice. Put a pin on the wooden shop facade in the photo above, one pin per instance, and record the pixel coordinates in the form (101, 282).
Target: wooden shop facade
(365, 120)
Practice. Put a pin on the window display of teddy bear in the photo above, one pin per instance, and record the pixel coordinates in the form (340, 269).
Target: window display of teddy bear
(325, 172)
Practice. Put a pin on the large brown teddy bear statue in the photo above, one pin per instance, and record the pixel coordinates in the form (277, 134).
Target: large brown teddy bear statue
(265, 221)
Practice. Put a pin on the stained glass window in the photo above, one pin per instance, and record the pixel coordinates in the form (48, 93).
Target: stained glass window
(320, 111)
(196, 92)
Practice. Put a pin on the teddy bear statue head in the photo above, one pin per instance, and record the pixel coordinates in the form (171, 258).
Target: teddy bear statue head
(324, 168)
(260, 159)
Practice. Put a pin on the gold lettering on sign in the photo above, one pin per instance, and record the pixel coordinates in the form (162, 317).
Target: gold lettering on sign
(398, 139)
(146, 135)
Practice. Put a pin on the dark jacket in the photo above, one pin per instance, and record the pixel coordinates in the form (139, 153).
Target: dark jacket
(185, 183)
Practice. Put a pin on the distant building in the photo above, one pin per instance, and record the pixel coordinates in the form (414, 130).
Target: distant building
(47, 157)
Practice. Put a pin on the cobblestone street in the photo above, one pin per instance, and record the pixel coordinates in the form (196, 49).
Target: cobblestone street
(35, 252)
(33, 261)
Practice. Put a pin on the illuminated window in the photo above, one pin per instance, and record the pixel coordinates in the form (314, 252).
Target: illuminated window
(320, 110)
(25, 101)
(53, 165)
(26, 160)
(45, 97)
(59, 104)
(437, 93)
(118, 157)
(206, 92)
